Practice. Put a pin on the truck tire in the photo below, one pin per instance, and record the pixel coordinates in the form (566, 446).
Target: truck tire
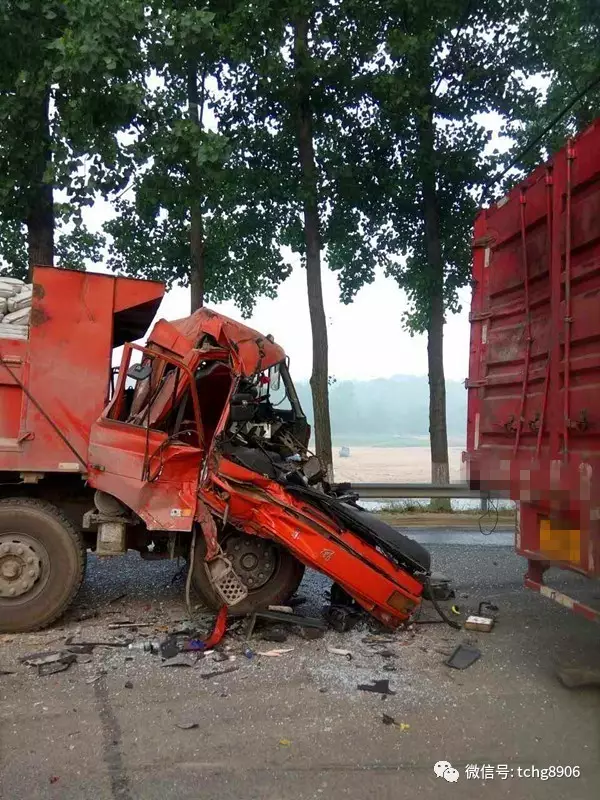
(42, 564)
(271, 573)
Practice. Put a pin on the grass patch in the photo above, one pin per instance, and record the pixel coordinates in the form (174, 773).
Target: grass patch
(417, 506)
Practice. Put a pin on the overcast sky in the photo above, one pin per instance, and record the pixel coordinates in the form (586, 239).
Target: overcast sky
(366, 338)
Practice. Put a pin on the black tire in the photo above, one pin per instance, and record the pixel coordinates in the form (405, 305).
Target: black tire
(284, 582)
(61, 554)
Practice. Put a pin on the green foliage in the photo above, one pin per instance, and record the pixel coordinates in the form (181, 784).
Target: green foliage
(450, 62)
(259, 114)
(184, 164)
(565, 35)
(68, 89)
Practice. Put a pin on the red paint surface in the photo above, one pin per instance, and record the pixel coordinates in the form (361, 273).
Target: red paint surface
(534, 370)
(65, 367)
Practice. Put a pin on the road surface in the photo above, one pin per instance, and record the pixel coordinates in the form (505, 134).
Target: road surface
(296, 727)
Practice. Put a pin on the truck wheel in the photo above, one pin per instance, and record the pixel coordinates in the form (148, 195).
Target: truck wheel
(270, 572)
(42, 564)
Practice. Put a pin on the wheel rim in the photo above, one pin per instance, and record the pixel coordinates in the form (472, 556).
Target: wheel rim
(24, 568)
(254, 560)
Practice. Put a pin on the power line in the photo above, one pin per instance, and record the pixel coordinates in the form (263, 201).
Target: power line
(540, 136)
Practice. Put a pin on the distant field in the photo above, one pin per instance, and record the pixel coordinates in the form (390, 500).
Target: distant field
(370, 440)
(391, 465)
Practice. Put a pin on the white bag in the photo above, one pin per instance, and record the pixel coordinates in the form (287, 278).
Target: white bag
(19, 317)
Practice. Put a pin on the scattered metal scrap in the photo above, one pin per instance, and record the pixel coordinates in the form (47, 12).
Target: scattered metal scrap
(49, 662)
(379, 687)
(463, 656)
(283, 617)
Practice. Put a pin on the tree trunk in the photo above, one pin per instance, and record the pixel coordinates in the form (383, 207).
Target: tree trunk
(320, 370)
(197, 258)
(440, 473)
(40, 214)
(197, 246)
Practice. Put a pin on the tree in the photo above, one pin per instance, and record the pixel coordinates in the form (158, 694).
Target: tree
(566, 35)
(66, 92)
(197, 213)
(290, 102)
(438, 66)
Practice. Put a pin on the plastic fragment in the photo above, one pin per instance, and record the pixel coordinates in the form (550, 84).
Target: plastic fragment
(338, 651)
(276, 652)
(379, 687)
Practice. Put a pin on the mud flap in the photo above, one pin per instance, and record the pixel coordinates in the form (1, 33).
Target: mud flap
(225, 581)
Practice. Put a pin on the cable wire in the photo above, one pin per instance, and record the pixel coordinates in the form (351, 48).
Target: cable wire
(539, 137)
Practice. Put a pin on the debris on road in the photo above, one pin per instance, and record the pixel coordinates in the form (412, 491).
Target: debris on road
(284, 617)
(274, 635)
(178, 661)
(487, 608)
(438, 588)
(169, 648)
(463, 656)
(387, 720)
(80, 649)
(216, 672)
(339, 651)
(38, 659)
(386, 653)
(54, 667)
(378, 639)
(341, 618)
(275, 652)
(310, 634)
(285, 742)
(49, 662)
(379, 687)
(186, 726)
(483, 624)
(128, 685)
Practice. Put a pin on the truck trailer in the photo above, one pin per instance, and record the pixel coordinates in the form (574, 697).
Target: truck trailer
(195, 447)
(534, 370)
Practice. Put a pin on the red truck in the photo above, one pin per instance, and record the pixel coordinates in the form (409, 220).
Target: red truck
(534, 370)
(196, 446)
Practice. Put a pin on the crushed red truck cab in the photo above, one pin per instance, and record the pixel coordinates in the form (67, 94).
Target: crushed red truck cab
(534, 371)
(196, 447)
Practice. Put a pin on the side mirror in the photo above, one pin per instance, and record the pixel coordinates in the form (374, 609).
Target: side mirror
(139, 372)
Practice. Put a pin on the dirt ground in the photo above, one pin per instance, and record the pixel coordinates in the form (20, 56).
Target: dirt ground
(392, 465)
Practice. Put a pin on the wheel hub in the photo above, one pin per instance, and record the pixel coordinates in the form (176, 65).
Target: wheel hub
(253, 559)
(20, 568)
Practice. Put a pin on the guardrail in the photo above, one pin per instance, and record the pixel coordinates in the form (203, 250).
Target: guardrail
(396, 491)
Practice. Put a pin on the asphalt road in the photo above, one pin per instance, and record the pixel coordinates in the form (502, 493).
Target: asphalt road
(296, 726)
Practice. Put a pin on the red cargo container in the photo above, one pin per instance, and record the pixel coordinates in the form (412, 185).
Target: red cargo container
(534, 369)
